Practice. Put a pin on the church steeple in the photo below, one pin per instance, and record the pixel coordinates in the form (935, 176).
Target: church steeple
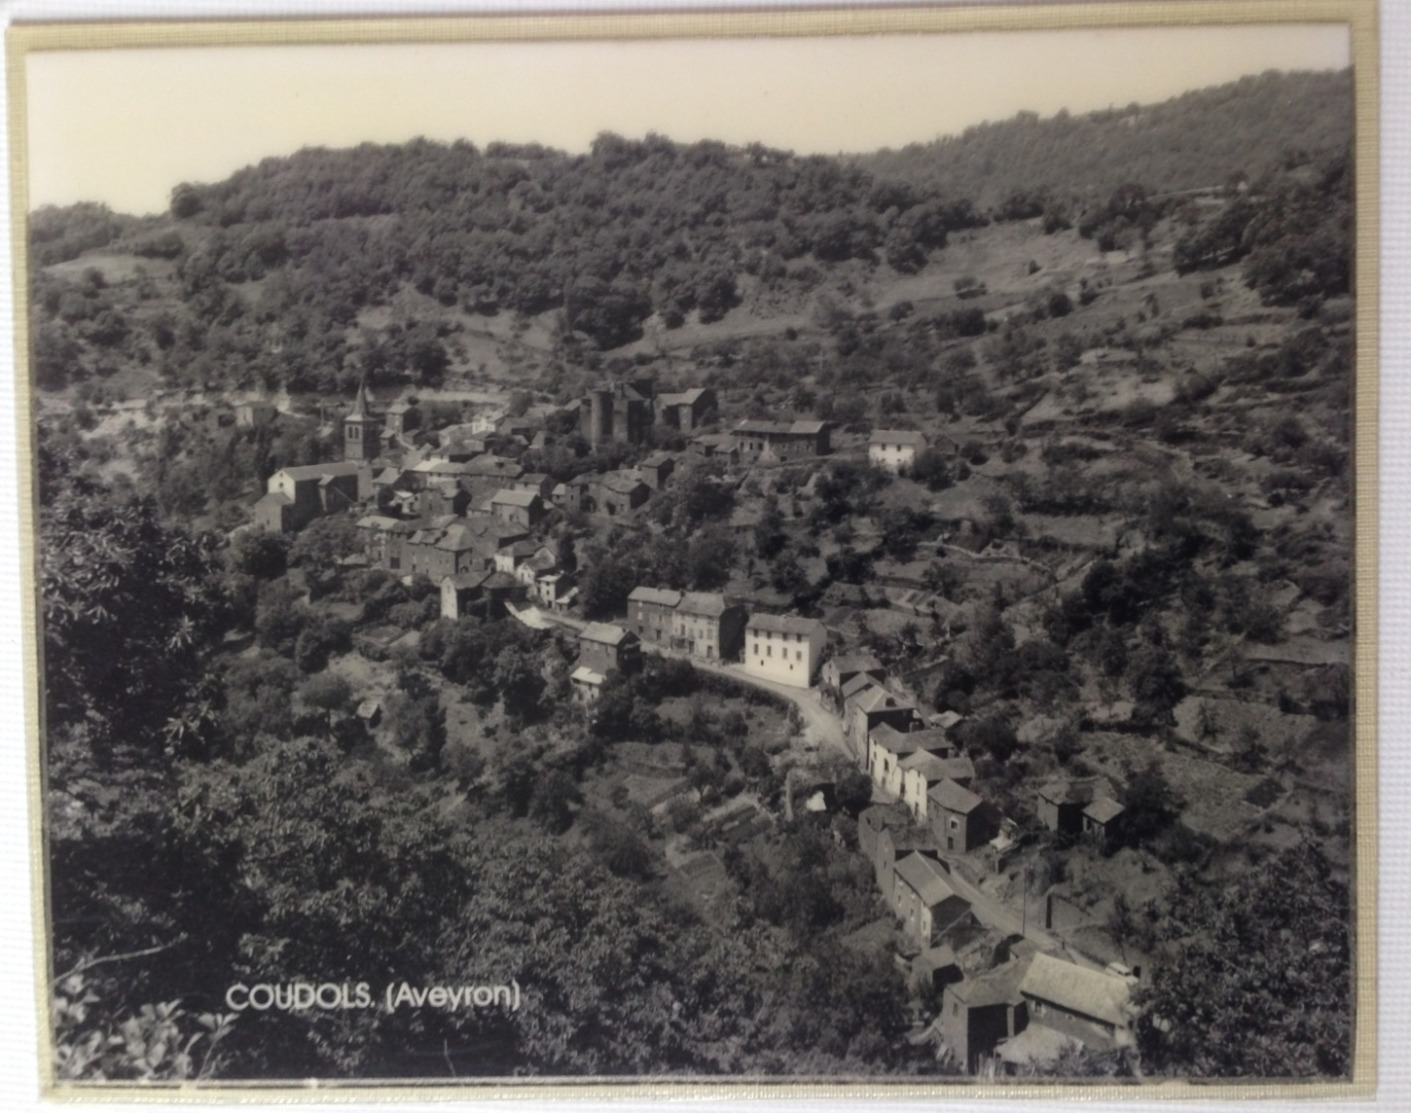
(360, 403)
(361, 438)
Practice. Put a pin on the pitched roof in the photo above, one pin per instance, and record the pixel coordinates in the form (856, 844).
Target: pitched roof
(319, 471)
(953, 798)
(380, 522)
(707, 603)
(855, 663)
(897, 436)
(517, 497)
(274, 498)
(925, 879)
(467, 580)
(657, 459)
(781, 428)
(662, 597)
(682, 398)
(604, 632)
(857, 683)
(999, 986)
(621, 482)
(909, 742)
(584, 675)
(879, 699)
(1103, 810)
(361, 404)
(1081, 791)
(785, 624)
(1092, 993)
(931, 767)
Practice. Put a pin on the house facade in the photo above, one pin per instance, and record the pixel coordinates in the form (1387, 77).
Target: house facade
(776, 441)
(604, 647)
(784, 648)
(651, 613)
(296, 496)
(960, 819)
(923, 899)
(1092, 1006)
(687, 410)
(706, 626)
(517, 507)
(894, 449)
(871, 706)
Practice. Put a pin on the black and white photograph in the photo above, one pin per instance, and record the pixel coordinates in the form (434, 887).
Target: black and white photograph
(683, 553)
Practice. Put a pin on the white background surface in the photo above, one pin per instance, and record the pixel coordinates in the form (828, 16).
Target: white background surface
(18, 1012)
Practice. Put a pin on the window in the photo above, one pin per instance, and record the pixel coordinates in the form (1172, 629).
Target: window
(954, 824)
(769, 651)
(799, 655)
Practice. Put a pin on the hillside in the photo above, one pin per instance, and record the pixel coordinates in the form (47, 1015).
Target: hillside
(336, 733)
(1199, 140)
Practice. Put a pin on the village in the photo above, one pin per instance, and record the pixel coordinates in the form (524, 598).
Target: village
(995, 988)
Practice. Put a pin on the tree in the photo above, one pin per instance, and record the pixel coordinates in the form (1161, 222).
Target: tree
(1254, 979)
(853, 790)
(328, 692)
(1151, 804)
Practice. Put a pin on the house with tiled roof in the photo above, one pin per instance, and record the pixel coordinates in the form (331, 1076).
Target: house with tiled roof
(1062, 802)
(837, 671)
(895, 449)
(604, 647)
(687, 410)
(888, 746)
(295, 496)
(871, 706)
(784, 648)
(978, 1013)
(1091, 1006)
(774, 441)
(960, 819)
(651, 612)
(924, 900)
(517, 507)
(705, 625)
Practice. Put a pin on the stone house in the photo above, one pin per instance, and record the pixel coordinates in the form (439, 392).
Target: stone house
(651, 612)
(604, 647)
(923, 899)
(922, 771)
(617, 493)
(1092, 1006)
(657, 469)
(687, 410)
(706, 626)
(837, 671)
(961, 820)
(518, 508)
(295, 496)
(888, 747)
(977, 1013)
(867, 709)
(1061, 803)
(776, 441)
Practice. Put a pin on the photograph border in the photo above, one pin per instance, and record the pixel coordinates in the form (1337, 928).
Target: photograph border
(1361, 18)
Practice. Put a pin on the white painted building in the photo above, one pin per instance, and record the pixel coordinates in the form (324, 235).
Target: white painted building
(784, 648)
(894, 449)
